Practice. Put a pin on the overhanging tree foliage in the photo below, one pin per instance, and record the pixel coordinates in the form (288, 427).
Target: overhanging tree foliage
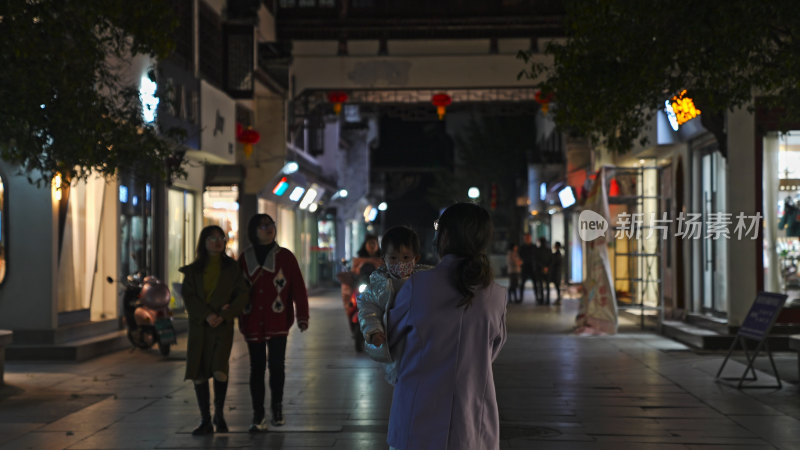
(64, 103)
(624, 58)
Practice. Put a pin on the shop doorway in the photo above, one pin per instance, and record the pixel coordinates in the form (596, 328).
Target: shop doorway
(710, 289)
(221, 207)
(781, 237)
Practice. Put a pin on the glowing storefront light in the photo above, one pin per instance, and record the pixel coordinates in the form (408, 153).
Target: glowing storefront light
(281, 187)
(370, 213)
(310, 196)
(566, 197)
(58, 182)
(290, 168)
(297, 193)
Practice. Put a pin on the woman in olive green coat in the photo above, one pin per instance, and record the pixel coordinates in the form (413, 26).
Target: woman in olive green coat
(214, 292)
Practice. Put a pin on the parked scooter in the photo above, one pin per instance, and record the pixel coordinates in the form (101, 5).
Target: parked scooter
(147, 316)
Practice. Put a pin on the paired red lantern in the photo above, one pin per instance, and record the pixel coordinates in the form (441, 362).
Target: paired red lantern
(337, 98)
(247, 136)
(544, 100)
(441, 101)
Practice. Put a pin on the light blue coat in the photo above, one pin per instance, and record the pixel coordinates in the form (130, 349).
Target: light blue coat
(445, 396)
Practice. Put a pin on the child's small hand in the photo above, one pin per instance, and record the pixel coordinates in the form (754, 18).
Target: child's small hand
(377, 339)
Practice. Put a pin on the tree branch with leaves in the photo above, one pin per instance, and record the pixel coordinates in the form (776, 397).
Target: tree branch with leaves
(66, 106)
(622, 59)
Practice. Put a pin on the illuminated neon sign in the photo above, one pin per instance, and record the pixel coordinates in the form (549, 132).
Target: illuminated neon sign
(281, 187)
(680, 110)
(147, 94)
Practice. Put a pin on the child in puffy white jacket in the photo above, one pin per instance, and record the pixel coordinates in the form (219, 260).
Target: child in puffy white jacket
(400, 247)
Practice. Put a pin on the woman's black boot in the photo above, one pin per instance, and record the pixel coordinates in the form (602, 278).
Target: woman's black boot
(204, 402)
(220, 389)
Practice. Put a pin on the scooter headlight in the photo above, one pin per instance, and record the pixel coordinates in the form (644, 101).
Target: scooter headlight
(362, 287)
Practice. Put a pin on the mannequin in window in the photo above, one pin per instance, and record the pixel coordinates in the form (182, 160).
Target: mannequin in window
(791, 218)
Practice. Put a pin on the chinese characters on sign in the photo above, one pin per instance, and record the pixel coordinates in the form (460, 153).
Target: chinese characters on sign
(688, 226)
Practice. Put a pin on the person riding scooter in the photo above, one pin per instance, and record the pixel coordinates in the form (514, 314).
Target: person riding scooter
(354, 280)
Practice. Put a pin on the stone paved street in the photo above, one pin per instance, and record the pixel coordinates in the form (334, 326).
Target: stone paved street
(635, 390)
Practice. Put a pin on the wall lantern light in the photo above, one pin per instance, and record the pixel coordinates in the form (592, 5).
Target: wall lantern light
(337, 98)
(58, 185)
(247, 136)
(441, 101)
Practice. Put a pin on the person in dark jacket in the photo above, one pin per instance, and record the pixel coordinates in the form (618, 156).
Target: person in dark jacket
(214, 292)
(556, 268)
(528, 270)
(278, 296)
(542, 255)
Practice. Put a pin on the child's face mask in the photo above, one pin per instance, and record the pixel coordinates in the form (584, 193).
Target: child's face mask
(401, 269)
(400, 261)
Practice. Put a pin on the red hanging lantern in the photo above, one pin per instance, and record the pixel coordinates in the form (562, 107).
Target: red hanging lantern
(247, 136)
(544, 100)
(441, 101)
(337, 98)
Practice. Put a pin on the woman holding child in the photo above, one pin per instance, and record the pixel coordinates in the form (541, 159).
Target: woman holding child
(446, 327)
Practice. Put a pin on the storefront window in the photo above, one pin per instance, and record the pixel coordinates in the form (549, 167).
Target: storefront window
(781, 236)
(180, 238)
(221, 207)
(86, 247)
(135, 226)
(286, 230)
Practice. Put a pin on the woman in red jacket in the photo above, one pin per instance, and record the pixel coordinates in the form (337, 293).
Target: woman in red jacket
(278, 293)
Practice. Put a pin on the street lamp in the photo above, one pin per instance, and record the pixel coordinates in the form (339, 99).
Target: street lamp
(473, 192)
(383, 206)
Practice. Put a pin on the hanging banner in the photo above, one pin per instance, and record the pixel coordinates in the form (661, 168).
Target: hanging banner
(597, 313)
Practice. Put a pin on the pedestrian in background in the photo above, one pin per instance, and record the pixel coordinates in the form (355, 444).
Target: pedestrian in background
(556, 268)
(528, 269)
(277, 296)
(541, 283)
(214, 292)
(514, 265)
(445, 329)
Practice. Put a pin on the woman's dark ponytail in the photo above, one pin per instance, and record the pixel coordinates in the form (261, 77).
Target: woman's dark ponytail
(468, 231)
(473, 272)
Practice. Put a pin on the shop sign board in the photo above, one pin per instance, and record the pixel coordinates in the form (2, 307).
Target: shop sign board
(680, 109)
(756, 326)
(218, 124)
(762, 315)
